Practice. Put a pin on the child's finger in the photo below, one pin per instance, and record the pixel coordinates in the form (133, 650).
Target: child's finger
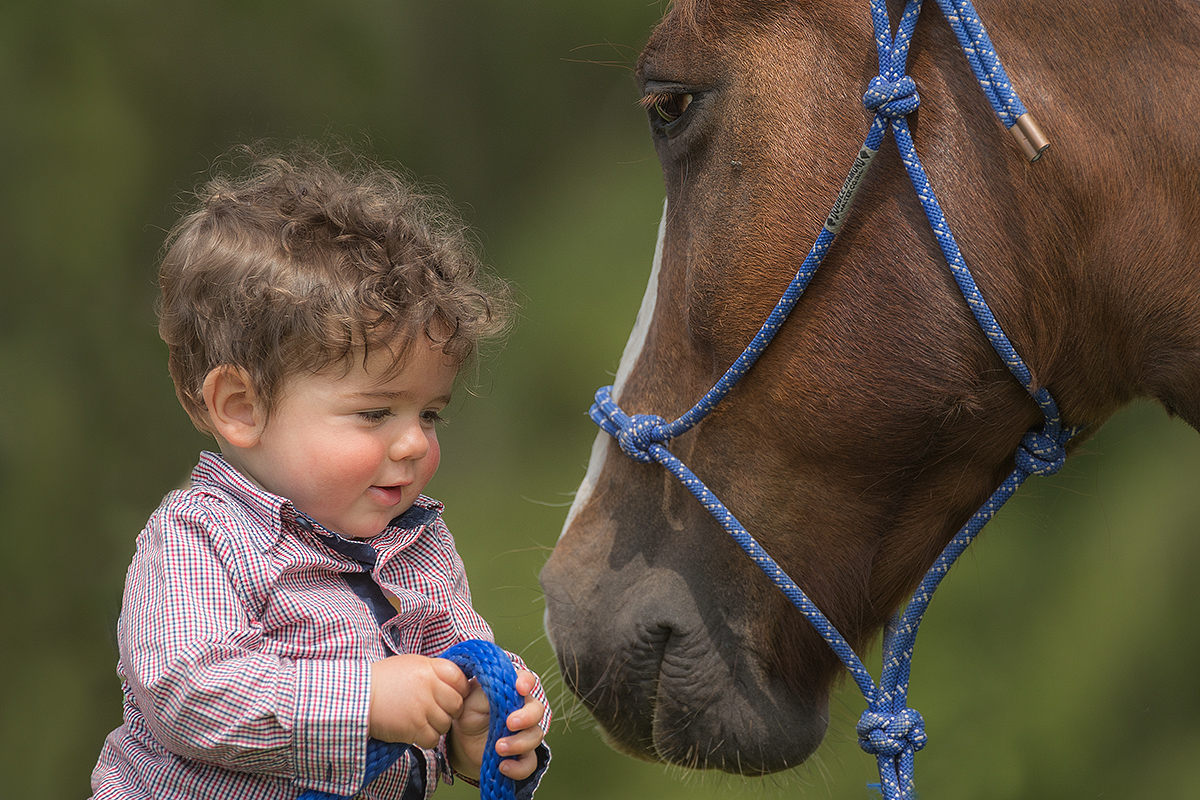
(449, 673)
(476, 700)
(527, 716)
(526, 681)
(448, 700)
(519, 768)
(525, 741)
(429, 736)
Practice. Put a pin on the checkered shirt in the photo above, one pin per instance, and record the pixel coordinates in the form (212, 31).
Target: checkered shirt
(245, 656)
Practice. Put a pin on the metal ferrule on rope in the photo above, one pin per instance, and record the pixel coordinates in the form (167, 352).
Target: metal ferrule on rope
(888, 729)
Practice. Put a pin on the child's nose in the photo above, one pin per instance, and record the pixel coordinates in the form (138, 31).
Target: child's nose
(410, 443)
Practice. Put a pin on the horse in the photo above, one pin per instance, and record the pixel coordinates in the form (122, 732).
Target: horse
(879, 418)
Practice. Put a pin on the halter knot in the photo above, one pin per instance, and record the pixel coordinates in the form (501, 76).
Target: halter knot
(892, 99)
(884, 734)
(642, 431)
(1041, 454)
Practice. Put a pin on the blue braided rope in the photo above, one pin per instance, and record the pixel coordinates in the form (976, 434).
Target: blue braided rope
(888, 729)
(981, 55)
(491, 667)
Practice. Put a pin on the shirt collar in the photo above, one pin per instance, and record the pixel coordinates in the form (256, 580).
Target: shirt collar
(422, 512)
(275, 514)
(270, 512)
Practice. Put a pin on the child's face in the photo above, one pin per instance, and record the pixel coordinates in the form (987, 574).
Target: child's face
(353, 449)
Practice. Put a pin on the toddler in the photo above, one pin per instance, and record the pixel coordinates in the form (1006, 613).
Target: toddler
(291, 601)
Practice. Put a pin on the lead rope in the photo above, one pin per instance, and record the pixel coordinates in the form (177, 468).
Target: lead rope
(888, 728)
(492, 668)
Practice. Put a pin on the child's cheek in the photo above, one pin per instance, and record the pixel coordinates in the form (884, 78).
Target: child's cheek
(433, 459)
(337, 461)
(342, 458)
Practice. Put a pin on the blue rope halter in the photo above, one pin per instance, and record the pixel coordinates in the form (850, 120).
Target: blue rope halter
(888, 729)
(491, 666)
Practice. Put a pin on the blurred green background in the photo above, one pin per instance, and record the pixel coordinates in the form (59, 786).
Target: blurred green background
(1058, 660)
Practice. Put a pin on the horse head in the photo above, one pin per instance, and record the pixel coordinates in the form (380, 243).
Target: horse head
(879, 418)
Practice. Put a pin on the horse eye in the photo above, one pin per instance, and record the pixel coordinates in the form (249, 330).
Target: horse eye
(667, 106)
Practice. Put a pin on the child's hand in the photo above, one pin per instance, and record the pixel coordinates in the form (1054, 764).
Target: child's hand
(415, 698)
(469, 733)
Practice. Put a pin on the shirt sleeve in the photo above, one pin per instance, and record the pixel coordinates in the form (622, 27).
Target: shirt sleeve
(192, 651)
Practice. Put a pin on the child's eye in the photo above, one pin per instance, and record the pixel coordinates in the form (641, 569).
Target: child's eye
(432, 418)
(375, 415)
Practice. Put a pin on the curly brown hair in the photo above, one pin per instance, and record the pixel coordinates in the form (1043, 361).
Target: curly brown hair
(300, 263)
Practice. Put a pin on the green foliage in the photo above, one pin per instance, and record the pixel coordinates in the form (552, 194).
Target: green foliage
(1055, 663)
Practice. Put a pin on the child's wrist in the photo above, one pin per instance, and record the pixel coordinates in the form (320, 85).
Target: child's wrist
(458, 776)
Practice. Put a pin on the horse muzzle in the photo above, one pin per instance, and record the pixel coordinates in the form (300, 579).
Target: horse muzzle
(664, 685)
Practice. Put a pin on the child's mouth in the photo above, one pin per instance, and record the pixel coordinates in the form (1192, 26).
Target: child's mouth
(388, 495)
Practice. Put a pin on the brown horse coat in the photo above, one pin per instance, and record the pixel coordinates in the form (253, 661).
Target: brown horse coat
(880, 418)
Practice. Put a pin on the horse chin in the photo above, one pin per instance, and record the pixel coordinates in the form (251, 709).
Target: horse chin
(757, 728)
(673, 695)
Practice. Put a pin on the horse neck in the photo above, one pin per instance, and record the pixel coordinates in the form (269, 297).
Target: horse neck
(1096, 267)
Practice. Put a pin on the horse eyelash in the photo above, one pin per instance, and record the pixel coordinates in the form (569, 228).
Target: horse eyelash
(649, 101)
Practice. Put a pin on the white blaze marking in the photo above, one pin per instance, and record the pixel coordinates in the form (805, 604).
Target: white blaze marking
(633, 348)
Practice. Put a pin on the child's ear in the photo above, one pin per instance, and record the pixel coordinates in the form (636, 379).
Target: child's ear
(235, 411)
